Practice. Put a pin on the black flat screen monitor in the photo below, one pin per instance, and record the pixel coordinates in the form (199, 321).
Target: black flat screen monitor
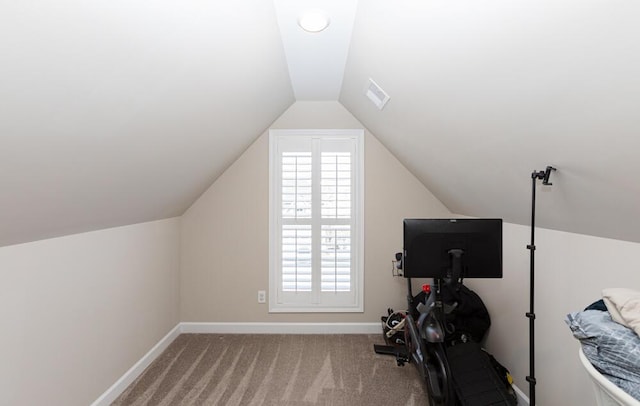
(428, 243)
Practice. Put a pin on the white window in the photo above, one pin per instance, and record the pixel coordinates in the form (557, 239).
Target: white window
(316, 220)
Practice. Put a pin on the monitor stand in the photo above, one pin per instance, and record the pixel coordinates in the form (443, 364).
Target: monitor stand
(454, 277)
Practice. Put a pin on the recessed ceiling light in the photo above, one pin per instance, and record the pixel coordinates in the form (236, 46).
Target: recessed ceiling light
(313, 20)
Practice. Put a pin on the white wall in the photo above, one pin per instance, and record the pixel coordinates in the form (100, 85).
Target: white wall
(78, 311)
(225, 234)
(571, 271)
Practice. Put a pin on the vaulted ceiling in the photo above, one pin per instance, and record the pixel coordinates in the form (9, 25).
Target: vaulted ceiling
(117, 112)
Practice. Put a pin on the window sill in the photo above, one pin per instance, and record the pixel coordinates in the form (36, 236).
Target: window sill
(315, 309)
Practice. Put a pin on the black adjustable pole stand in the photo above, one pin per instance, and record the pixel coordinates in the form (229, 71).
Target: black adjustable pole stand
(544, 175)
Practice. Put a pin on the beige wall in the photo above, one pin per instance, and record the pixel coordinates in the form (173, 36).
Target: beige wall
(225, 234)
(78, 311)
(571, 271)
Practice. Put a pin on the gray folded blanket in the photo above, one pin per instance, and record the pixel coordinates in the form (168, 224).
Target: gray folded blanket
(613, 349)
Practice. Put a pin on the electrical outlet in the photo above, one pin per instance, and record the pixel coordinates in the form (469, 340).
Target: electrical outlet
(262, 296)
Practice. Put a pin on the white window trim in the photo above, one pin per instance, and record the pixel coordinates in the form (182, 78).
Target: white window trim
(275, 304)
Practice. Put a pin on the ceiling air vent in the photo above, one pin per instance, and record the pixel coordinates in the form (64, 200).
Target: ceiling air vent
(377, 95)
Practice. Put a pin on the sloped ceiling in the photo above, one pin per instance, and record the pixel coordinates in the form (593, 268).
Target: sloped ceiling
(485, 92)
(117, 112)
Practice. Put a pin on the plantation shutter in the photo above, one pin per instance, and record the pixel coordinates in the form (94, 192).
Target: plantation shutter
(314, 199)
(336, 203)
(296, 225)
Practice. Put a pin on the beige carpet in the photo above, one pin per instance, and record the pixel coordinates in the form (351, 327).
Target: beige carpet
(287, 370)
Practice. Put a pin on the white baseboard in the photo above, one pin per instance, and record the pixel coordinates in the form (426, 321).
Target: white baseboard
(281, 328)
(121, 384)
(522, 398)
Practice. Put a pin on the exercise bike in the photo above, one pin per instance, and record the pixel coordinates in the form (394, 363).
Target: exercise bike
(446, 322)
(423, 339)
(425, 348)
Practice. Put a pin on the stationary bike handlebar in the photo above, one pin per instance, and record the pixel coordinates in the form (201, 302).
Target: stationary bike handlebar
(428, 324)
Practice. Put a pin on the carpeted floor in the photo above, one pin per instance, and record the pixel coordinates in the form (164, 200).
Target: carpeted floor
(282, 370)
